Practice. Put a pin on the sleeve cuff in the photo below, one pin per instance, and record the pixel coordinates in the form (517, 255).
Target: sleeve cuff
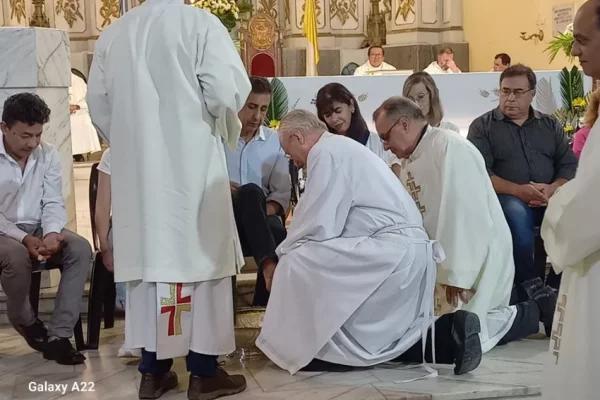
(52, 228)
(17, 234)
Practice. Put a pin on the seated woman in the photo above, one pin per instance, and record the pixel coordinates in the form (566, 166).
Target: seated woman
(103, 223)
(339, 110)
(589, 119)
(421, 88)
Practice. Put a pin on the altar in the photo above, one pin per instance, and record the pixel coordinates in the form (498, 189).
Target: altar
(464, 96)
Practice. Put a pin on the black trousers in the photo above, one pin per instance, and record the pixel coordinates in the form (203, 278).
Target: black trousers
(260, 234)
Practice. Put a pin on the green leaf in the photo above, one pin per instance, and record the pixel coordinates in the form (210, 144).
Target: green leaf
(278, 107)
(571, 86)
(562, 43)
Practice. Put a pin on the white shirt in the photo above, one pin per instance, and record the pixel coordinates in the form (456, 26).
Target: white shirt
(434, 68)
(104, 165)
(32, 196)
(367, 67)
(262, 161)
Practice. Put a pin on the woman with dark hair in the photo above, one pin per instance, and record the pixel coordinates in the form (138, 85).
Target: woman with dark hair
(421, 88)
(339, 110)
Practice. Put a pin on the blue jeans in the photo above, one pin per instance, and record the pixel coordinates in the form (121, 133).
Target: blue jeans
(197, 364)
(522, 220)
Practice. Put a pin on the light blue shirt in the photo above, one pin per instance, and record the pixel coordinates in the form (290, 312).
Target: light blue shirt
(262, 161)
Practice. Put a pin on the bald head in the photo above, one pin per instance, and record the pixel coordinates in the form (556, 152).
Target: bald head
(586, 32)
(299, 131)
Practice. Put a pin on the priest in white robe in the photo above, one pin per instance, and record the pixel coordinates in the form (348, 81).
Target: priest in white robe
(353, 281)
(84, 138)
(165, 89)
(447, 178)
(571, 236)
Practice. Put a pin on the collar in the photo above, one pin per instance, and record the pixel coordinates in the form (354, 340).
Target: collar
(261, 133)
(426, 129)
(33, 156)
(2, 148)
(499, 115)
(374, 67)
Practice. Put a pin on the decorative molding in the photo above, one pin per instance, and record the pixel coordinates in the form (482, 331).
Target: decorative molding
(387, 9)
(326, 34)
(429, 11)
(70, 11)
(447, 11)
(428, 30)
(269, 7)
(405, 12)
(109, 10)
(288, 17)
(17, 10)
(319, 9)
(343, 10)
(83, 39)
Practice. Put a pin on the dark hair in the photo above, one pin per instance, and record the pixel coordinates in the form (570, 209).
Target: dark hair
(28, 108)
(80, 74)
(260, 85)
(520, 70)
(376, 47)
(504, 57)
(445, 50)
(338, 92)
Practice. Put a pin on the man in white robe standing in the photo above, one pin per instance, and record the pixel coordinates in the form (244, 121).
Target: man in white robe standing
(571, 236)
(84, 138)
(166, 85)
(353, 284)
(447, 178)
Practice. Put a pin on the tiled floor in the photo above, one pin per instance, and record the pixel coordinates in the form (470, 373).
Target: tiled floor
(513, 371)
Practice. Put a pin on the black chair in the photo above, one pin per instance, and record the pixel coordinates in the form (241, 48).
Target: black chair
(34, 297)
(349, 68)
(102, 296)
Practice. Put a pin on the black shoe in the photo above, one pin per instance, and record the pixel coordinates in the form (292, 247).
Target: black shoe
(546, 299)
(465, 333)
(532, 286)
(36, 335)
(62, 351)
(152, 387)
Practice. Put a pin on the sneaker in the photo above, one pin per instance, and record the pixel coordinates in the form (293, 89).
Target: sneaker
(209, 388)
(61, 350)
(546, 299)
(152, 387)
(36, 335)
(465, 333)
(532, 286)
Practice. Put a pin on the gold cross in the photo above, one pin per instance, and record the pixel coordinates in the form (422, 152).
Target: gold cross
(414, 190)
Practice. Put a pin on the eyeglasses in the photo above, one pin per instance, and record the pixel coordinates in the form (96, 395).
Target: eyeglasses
(518, 93)
(385, 137)
(420, 98)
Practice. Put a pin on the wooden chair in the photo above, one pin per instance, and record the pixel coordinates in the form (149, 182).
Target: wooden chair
(34, 297)
(102, 296)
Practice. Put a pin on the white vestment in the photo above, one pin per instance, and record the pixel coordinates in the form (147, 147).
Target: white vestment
(165, 88)
(356, 273)
(447, 178)
(364, 69)
(84, 138)
(375, 144)
(434, 68)
(571, 236)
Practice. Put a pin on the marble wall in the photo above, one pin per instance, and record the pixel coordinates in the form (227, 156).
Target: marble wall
(38, 60)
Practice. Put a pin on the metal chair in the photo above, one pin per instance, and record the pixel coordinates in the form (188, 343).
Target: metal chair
(102, 296)
(34, 297)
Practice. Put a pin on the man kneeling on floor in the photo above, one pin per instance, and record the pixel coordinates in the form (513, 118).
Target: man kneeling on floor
(354, 281)
(447, 178)
(32, 227)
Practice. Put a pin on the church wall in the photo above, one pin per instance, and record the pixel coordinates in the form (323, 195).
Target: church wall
(492, 27)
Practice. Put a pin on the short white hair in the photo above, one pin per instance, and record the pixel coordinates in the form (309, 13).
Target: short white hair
(302, 121)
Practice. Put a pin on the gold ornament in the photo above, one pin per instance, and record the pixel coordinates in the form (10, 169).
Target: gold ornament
(70, 11)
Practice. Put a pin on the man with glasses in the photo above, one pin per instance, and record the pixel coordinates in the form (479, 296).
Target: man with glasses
(528, 157)
(374, 63)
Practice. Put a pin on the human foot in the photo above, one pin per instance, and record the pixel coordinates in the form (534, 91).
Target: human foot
(209, 388)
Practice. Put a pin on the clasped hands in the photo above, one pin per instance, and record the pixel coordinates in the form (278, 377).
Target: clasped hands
(455, 294)
(536, 194)
(43, 249)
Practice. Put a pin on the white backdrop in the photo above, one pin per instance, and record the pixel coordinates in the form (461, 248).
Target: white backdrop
(464, 96)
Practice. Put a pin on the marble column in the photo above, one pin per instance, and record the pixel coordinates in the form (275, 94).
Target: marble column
(37, 60)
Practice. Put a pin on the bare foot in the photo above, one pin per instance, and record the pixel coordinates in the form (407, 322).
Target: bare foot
(268, 269)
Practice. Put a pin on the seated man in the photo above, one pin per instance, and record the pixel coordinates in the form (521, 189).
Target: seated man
(444, 64)
(32, 227)
(461, 211)
(354, 279)
(528, 157)
(260, 183)
(374, 63)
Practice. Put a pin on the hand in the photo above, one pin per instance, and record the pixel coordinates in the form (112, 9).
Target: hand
(452, 65)
(108, 260)
(547, 190)
(530, 194)
(53, 242)
(273, 208)
(74, 108)
(36, 248)
(268, 270)
(234, 187)
(454, 294)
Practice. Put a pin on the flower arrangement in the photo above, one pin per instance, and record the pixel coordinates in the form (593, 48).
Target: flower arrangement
(278, 107)
(574, 100)
(561, 43)
(228, 11)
